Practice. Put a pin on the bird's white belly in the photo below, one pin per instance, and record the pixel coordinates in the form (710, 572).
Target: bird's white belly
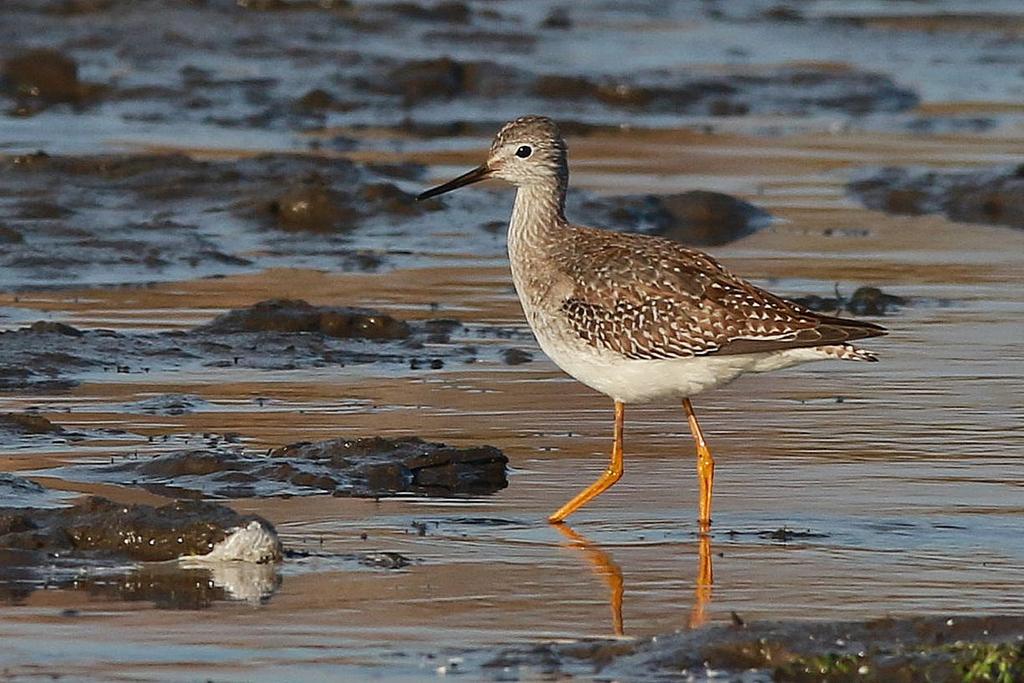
(645, 381)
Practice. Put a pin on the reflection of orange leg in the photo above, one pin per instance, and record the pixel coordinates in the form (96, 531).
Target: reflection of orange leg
(705, 468)
(610, 476)
(604, 565)
(705, 578)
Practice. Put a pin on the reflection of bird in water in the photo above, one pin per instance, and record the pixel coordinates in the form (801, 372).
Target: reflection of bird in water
(635, 317)
(705, 579)
(603, 564)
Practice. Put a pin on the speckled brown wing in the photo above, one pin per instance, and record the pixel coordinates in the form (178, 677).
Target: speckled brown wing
(649, 298)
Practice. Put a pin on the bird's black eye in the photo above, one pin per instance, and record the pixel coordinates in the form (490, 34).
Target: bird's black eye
(524, 151)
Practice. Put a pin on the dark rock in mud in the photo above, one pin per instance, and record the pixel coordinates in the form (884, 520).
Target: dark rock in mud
(312, 208)
(785, 534)
(496, 41)
(451, 12)
(27, 423)
(287, 315)
(50, 327)
(557, 18)
(169, 404)
(783, 12)
(385, 560)
(863, 301)
(444, 78)
(316, 206)
(993, 196)
(697, 217)
(99, 527)
(318, 101)
(366, 467)
(10, 236)
(405, 171)
(39, 78)
(42, 211)
(516, 356)
(33, 356)
(14, 377)
(296, 5)
(950, 125)
(879, 651)
(389, 198)
(409, 464)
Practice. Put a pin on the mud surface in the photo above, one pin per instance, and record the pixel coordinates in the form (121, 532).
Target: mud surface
(992, 196)
(890, 650)
(270, 335)
(697, 217)
(791, 91)
(209, 250)
(21, 492)
(296, 66)
(111, 219)
(367, 467)
(143, 218)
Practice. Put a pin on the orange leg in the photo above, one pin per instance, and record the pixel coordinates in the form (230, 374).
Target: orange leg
(705, 468)
(610, 476)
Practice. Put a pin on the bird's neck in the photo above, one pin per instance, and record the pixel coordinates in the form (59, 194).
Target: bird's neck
(537, 216)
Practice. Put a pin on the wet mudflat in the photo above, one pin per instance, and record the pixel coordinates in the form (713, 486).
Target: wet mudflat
(222, 314)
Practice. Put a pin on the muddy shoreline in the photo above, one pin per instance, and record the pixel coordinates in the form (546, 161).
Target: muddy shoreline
(891, 649)
(221, 307)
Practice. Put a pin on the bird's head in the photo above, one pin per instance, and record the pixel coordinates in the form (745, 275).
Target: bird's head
(527, 151)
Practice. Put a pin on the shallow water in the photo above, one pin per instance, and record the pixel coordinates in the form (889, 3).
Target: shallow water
(901, 481)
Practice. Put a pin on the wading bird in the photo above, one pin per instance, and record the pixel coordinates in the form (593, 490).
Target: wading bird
(639, 318)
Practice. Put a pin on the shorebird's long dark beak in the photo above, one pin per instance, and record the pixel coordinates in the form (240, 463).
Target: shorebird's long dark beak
(479, 173)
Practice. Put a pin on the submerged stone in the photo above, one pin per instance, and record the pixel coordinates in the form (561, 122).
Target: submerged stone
(408, 464)
(516, 356)
(864, 301)
(278, 334)
(27, 423)
(43, 74)
(697, 217)
(367, 467)
(312, 208)
(169, 404)
(992, 196)
(385, 560)
(787, 90)
(294, 315)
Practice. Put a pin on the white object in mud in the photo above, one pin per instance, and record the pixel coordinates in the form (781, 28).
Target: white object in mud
(251, 543)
